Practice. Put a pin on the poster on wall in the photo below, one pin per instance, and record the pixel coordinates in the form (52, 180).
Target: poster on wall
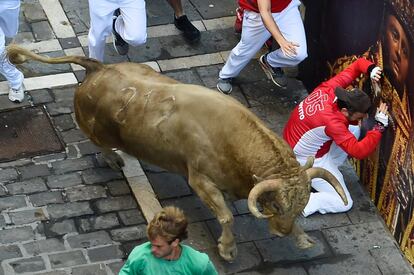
(383, 32)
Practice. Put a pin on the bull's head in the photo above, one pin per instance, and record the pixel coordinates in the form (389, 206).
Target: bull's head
(284, 199)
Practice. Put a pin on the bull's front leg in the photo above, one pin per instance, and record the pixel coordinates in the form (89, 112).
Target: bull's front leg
(303, 240)
(214, 199)
(113, 159)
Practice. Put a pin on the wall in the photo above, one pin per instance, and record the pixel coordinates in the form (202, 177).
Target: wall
(338, 32)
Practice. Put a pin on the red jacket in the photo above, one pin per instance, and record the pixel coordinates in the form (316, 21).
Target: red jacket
(317, 121)
(276, 5)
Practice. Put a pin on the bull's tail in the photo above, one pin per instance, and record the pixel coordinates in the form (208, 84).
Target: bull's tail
(19, 55)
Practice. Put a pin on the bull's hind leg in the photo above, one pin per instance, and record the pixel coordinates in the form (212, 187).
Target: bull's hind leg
(214, 199)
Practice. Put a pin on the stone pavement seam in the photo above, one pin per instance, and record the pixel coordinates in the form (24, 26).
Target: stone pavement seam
(57, 18)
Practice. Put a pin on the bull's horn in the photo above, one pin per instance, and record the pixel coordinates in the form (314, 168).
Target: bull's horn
(257, 179)
(257, 190)
(308, 164)
(317, 172)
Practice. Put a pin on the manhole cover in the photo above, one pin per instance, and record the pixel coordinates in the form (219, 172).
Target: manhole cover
(26, 133)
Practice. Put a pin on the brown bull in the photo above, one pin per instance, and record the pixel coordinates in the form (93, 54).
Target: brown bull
(211, 138)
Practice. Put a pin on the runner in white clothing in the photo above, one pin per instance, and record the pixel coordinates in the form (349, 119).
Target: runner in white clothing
(262, 19)
(9, 24)
(125, 19)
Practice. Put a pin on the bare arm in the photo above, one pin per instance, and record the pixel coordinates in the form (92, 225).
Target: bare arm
(288, 48)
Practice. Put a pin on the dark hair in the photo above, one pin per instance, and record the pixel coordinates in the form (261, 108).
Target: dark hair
(342, 104)
(170, 224)
(354, 100)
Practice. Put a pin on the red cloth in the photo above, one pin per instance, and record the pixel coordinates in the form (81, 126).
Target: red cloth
(317, 122)
(276, 5)
(238, 24)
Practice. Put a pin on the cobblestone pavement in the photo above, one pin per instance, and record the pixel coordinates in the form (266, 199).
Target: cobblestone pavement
(68, 213)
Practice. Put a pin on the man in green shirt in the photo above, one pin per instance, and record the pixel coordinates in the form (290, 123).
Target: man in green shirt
(164, 254)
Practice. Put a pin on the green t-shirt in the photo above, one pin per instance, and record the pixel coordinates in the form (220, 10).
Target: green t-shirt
(191, 262)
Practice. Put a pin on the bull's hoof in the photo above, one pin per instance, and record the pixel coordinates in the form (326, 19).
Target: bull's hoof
(228, 253)
(275, 232)
(114, 160)
(304, 241)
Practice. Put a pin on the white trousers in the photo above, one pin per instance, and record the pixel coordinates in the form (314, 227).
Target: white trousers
(9, 24)
(326, 199)
(254, 35)
(131, 24)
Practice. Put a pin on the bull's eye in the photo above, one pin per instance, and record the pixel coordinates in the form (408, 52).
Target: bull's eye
(275, 207)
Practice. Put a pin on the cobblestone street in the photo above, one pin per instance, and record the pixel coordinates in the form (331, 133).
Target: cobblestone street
(64, 211)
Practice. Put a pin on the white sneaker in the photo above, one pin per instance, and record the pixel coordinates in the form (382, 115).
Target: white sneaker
(16, 96)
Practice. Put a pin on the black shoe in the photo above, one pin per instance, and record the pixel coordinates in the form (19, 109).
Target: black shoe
(275, 74)
(120, 46)
(191, 33)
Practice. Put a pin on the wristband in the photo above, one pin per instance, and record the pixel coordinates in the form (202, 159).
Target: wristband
(381, 118)
(374, 72)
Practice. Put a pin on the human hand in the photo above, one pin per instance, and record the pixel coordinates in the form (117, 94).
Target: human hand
(376, 74)
(288, 48)
(382, 114)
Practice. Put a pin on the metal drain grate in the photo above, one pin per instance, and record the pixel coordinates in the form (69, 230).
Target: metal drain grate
(27, 133)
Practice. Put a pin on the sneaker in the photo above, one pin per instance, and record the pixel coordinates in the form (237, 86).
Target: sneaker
(191, 33)
(16, 96)
(120, 46)
(224, 85)
(275, 74)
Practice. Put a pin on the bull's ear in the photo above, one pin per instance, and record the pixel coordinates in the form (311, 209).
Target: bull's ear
(257, 179)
